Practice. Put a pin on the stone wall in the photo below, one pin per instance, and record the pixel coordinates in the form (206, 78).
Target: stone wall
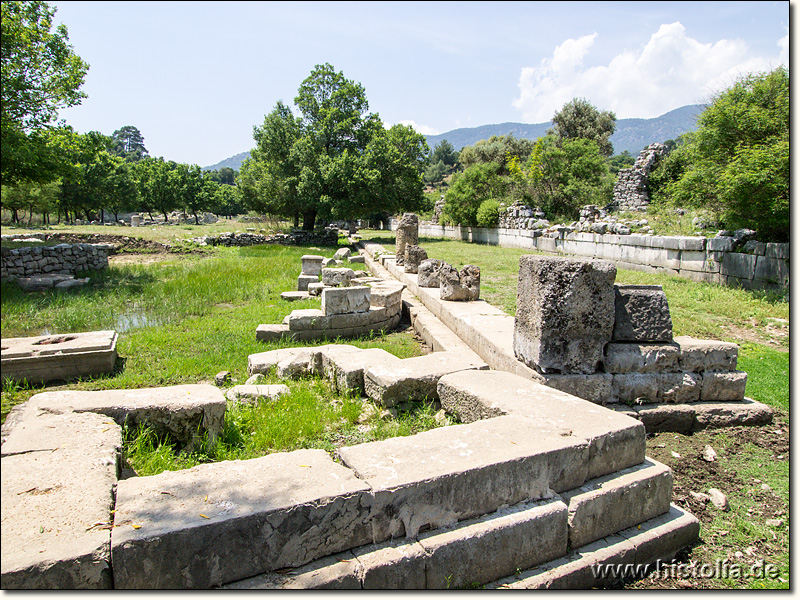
(713, 260)
(327, 237)
(630, 190)
(67, 259)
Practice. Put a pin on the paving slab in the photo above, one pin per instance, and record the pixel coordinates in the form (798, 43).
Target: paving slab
(444, 475)
(414, 379)
(41, 359)
(184, 412)
(252, 394)
(58, 477)
(224, 522)
(608, 504)
(615, 441)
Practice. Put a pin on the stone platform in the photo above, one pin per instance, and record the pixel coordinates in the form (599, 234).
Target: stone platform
(46, 358)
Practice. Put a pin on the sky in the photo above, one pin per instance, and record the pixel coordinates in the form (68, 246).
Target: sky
(196, 77)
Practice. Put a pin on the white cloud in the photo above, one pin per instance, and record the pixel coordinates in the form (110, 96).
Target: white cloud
(423, 129)
(670, 71)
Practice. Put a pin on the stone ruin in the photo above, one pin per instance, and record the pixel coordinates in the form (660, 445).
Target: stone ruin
(630, 189)
(407, 233)
(611, 343)
(437, 210)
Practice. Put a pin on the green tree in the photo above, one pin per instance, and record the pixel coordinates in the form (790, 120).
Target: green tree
(736, 164)
(159, 184)
(580, 119)
(497, 149)
(128, 143)
(444, 152)
(336, 160)
(39, 74)
(469, 190)
(620, 161)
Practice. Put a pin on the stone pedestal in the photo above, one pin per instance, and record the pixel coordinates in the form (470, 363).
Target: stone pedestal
(407, 233)
(312, 264)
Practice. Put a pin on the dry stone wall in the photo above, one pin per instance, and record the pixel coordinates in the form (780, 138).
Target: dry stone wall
(630, 190)
(67, 259)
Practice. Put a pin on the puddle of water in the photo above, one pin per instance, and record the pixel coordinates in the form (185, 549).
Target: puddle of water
(134, 320)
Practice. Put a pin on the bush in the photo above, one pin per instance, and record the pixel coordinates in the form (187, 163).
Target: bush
(469, 190)
(489, 213)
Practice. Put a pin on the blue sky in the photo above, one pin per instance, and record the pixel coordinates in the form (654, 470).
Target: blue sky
(195, 77)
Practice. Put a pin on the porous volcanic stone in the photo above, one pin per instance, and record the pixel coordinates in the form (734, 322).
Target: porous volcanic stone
(413, 257)
(565, 313)
(428, 273)
(641, 314)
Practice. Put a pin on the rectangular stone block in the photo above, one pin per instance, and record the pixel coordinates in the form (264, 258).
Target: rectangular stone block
(386, 294)
(723, 387)
(394, 565)
(346, 370)
(303, 281)
(615, 440)
(609, 504)
(414, 379)
(483, 550)
(641, 314)
(700, 356)
(651, 388)
(218, 523)
(720, 244)
(710, 415)
(335, 572)
(445, 475)
(565, 313)
(772, 270)
(741, 266)
(641, 358)
(58, 476)
(337, 277)
(337, 301)
(594, 388)
(271, 332)
(308, 318)
(774, 250)
(312, 265)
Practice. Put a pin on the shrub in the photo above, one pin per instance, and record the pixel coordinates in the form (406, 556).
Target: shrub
(489, 213)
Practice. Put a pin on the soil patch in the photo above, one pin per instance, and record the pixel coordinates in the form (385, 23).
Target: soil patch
(121, 243)
(129, 258)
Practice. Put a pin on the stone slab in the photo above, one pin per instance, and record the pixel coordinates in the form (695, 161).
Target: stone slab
(335, 572)
(710, 415)
(267, 362)
(41, 359)
(608, 504)
(651, 388)
(700, 356)
(295, 296)
(337, 276)
(337, 301)
(641, 358)
(204, 527)
(271, 332)
(444, 475)
(393, 565)
(723, 387)
(414, 379)
(346, 370)
(615, 441)
(58, 477)
(482, 550)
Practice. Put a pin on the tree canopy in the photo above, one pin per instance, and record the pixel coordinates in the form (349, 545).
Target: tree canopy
(336, 160)
(39, 74)
(128, 143)
(580, 119)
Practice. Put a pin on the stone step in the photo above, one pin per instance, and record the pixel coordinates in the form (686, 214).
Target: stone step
(686, 418)
(658, 539)
(614, 443)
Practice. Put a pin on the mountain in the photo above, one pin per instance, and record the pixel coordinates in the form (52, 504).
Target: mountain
(632, 135)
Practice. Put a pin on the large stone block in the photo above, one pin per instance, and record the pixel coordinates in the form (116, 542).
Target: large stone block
(312, 264)
(394, 565)
(303, 281)
(700, 356)
(652, 388)
(413, 257)
(338, 301)
(641, 358)
(334, 572)
(346, 370)
(595, 387)
(641, 314)
(565, 313)
(615, 440)
(459, 285)
(449, 474)
(218, 523)
(428, 273)
(337, 277)
(723, 387)
(406, 232)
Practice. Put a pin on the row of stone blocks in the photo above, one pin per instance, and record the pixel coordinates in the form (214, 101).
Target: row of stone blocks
(572, 473)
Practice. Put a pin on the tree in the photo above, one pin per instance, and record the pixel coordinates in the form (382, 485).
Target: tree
(39, 74)
(336, 160)
(497, 149)
(444, 152)
(128, 143)
(579, 119)
(159, 184)
(621, 161)
(469, 190)
(736, 164)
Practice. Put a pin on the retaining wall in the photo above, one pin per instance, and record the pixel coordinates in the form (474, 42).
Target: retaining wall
(67, 259)
(697, 258)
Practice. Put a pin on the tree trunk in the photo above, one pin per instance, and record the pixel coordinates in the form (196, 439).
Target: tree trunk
(196, 219)
(309, 217)
(296, 220)
(102, 217)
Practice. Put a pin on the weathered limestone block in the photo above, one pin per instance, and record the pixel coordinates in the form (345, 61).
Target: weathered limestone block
(392, 565)
(724, 387)
(315, 288)
(641, 314)
(271, 332)
(346, 370)
(309, 318)
(595, 387)
(356, 260)
(312, 264)
(428, 273)
(342, 254)
(414, 255)
(334, 572)
(303, 281)
(449, 474)
(459, 285)
(710, 415)
(337, 301)
(407, 232)
(58, 477)
(218, 523)
(651, 388)
(706, 355)
(615, 441)
(337, 277)
(641, 358)
(252, 394)
(565, 313)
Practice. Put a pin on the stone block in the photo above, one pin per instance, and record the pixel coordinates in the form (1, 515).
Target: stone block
(414, 379)
(223, 522)
(337, 301)
(315, 288)
(774, 250)
(414, 255)
(678, 418)
(295, 296)
(346, 370)
(711, 415)
(449, 474)
(662, 537)
(252, 394)
(406, 232)
(356, 260)
(741, 266)
(700, 356)
(609, 504)
(305, 319)
(428, 273)
(596, 387)
(183, 412)
(641, 314)
(652, 388)
(342, 254)
(395, 565)
(271, 332)
(337, 277)
(460, 285)
(386, 294)
(565, 313)
(335, 572)
(720, 244)
(723, 386)
(312, 264)
(641, 358)
(770, 270)
(515, 538)
(615, 440)
(58, 476)
(303, 281)
(679, 388)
